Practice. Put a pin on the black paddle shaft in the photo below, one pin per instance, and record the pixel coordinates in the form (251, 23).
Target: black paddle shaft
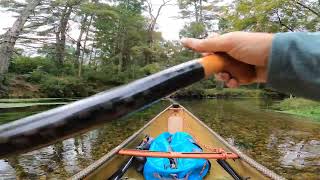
(124, 168)
(60, 123)
(226, 166)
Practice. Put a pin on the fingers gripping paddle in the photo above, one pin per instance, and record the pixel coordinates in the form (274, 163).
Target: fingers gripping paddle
(60, 123)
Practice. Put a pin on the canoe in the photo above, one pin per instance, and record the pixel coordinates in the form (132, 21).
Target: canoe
(244, 166)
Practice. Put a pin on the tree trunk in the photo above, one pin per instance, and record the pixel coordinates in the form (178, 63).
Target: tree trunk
(10, 37)
(196, 10)
(84, 47)
(61, 34)
(95, 63)
(92, 52)
(119, 51)
(120, 63)
(200, 11)
(78, 49)
(151, 28)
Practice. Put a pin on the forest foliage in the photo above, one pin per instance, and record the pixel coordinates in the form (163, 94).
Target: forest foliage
(119, 41)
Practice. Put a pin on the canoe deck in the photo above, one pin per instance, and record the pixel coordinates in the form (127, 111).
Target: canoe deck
(205, 137)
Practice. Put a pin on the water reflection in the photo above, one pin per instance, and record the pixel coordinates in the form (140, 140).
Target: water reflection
(286, 144)
(6, 170)
(68, 157)
(300, 155)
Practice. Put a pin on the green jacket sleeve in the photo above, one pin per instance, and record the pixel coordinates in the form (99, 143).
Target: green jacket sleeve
(294, 64)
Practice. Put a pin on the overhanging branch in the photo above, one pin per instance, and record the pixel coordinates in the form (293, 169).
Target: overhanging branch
(283, 24)
(309, 8)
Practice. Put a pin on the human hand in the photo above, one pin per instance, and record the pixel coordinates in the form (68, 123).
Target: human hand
(248, 48)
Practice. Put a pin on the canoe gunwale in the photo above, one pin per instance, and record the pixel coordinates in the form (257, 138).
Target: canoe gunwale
(264, 170)
(92, 167)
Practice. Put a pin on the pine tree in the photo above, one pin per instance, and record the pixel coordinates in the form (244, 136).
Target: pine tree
(154, 15)
(8, 40)
(203, 16)
(272, 16)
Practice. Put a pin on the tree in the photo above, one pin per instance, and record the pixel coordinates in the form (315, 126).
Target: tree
(153, 18)
(50, 28)
(61, 30)
(196, 10)
(203, 16)
(84, 47)
(8, 40)
(271, 16)
(120, 31)
(61, 33)
(83, 27)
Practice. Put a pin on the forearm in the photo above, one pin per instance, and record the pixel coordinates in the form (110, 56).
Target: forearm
(294, 64)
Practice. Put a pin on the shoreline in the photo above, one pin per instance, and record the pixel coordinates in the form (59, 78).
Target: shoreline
(299, 107)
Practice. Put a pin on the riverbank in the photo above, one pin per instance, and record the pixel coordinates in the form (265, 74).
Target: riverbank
(226, 93)
(300, 107)
(18, 86)
(21, 87)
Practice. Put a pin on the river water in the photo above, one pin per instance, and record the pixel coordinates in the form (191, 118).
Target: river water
(287, 144)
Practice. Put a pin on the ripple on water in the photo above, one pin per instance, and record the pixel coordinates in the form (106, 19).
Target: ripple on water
(301, 154)
(6, 171)
(65, 158)
(286, 144)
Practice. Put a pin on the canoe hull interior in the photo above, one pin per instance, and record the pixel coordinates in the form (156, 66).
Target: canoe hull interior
(111, 162)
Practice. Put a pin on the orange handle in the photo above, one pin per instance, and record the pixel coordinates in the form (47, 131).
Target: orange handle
(221, 62)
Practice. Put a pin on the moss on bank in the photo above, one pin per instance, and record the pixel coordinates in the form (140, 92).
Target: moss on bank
(299, 106)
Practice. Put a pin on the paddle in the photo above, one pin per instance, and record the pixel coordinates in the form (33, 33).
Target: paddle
(63, 122)
(226, 166)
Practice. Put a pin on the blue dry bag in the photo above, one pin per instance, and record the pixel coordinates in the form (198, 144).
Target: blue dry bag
(178, 168)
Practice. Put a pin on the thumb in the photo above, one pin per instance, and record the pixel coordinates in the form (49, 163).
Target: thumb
(212, 44)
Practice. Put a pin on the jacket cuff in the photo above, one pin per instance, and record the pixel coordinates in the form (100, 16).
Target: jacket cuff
(277, 62)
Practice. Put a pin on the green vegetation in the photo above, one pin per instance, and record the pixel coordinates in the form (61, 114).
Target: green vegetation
(43, 77)
(18, 105)
(219, 93)
(124, 46)
(13, 111)
(11, 116)
(271, 16)
(35, 100)
(233, 92)
(211, 89)
(299, 106)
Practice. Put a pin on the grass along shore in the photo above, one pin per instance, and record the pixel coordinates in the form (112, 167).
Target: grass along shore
(208, 93)
(299, 106)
